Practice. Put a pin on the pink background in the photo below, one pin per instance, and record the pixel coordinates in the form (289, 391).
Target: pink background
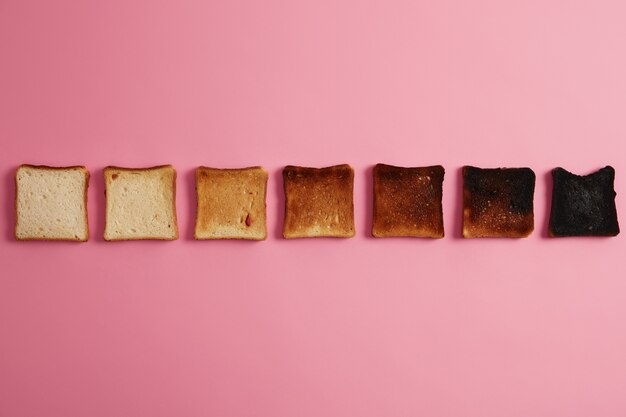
(357, 327)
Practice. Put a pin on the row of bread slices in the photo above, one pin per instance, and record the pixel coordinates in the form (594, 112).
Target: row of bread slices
(51, 203)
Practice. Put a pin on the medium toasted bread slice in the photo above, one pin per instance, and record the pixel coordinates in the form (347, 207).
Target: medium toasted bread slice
(583, 205)
(51, 203)
(231, 203)
(140, 203)
(319, 202)
(498, 202)
(407, 201)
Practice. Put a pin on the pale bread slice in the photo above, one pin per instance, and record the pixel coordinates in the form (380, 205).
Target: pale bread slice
(51, 203)
(140, 203)
(319, 202)
(231, 203)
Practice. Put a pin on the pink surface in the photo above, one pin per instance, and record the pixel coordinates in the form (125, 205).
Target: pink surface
(358, 327)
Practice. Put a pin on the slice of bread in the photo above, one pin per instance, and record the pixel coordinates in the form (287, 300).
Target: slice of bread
(140, 203)
(583, 205)
(407, 201)
(498, 202)
(231, 203)
(51, 203)
(319, 202)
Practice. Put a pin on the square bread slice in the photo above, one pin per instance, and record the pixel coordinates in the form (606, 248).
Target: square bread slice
(498, 202)
(140, 203)
(583, 205)
(51, 203)
(231, 203)
(407, 201)
(318, 201)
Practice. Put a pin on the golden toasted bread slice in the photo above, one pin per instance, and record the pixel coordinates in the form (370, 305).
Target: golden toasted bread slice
(140, 203)
(583, 205)
(51, 203)
(407, 201)
(319, 202)
(498, 202)
(231, 203)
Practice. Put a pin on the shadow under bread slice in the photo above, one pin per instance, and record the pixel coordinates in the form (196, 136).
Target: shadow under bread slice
(583, 205)
(407, 201)
(498, 202)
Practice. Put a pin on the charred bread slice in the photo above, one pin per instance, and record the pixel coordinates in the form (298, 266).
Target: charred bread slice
(583, 205)
(498, 202)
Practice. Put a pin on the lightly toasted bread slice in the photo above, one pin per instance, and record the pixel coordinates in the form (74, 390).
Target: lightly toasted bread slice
(407, 201)
(140, 203)
(231, 203)
(583, 205)
(498, 202)
(318, 201)
(51, 203)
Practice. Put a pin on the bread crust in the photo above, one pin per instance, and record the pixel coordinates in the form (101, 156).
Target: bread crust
(407, 201)
(53, 168)
(583, 205)
(319, 202)
(147, 169)
(498, 202)
(214, 215)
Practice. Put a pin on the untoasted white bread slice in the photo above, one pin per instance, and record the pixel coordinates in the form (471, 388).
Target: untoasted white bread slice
(231, 203)
(140, 203)
(51, 203)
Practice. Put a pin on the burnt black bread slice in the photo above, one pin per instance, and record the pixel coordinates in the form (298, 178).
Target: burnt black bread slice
(583, 205)
(407, 201)
(498, 202)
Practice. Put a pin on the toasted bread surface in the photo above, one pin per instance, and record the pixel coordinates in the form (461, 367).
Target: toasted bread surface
(498, 202)
(231, 203)
(140, 203)
(583, 205)
(51, 203)
(407, 201)
(318, 201)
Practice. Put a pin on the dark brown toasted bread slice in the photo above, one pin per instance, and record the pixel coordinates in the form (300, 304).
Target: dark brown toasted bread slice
(407, 201)
(583, 205)
(231, 203)
(318, 201)
(498, 202)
